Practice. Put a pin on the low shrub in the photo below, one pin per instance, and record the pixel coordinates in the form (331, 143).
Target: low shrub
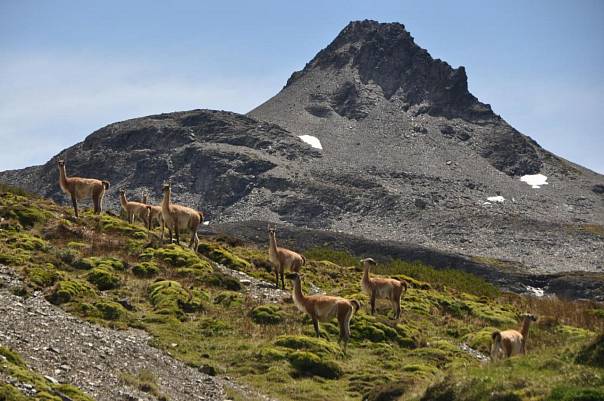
(267, 314)
(220, 255)
(110, 310)
(145, 269)
(67, 290)
(307, 363)
(103, 278)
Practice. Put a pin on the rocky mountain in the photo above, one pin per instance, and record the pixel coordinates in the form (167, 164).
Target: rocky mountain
(408, 154)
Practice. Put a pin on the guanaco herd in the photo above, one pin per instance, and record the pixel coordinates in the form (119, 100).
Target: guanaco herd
(320, 308)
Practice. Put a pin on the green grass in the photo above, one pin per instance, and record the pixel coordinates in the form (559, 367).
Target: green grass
(205, 319)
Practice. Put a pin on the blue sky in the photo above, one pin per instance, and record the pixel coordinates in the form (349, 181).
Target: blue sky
(68, 68)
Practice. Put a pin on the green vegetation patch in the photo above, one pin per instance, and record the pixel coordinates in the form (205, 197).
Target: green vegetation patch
(307, 363)
(569, 393)
(100, 261)
(593, 353)
(119, 226)
(26, 241)
(267, 314)
(453, 278)
(169, 298)
(43, 276)
(67, 290)
(480, 340)
(221, 255)
(339, 257)
(219, 279)
(25, 213)
(176, 256)
(370, 328)
(104, 278)
(110, 310)
(12, 365)
(313, 344)
(228, 299)
(145, 269)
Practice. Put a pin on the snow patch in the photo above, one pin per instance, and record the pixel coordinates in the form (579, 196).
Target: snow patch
(497, 198)
(205, 223)
(537, 292)
(312, 141)
(534, 180)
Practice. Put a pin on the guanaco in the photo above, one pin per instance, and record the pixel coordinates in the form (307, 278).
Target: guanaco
(155, 216)
(383, 288)
(82, 188)
(282, 258)
(134, 209)
(177, 217)
(324, 308)
(511, 342)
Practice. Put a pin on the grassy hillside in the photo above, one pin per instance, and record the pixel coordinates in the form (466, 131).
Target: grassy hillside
(109, 272)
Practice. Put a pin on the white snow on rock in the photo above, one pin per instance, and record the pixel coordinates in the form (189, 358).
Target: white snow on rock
(537, 292)
(497, 198)
(312, 141)
(534, 180)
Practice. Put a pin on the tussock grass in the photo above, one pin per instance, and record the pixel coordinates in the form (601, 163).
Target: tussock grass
(204, 318)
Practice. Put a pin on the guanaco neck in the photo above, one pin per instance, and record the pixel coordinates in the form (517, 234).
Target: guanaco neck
(525, 328)
(145, 199)
(272, 243)
(123, 200)
(297, 293)
(63, 177)
(366, 279)
(165, 202)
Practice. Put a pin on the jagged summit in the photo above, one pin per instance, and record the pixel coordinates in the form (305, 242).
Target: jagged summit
(386, 54)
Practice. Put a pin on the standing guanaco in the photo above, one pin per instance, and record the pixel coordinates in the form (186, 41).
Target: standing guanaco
(282, 258)
(82, 188)
(511, 342)
(155, 215)
(324, 308)
(385, 288)
(178, 217)
(134, 209)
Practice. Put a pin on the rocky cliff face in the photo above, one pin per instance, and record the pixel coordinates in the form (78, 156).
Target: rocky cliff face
(408, 154)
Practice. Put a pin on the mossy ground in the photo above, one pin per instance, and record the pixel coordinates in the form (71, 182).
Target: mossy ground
(204, 318)
(11, 364)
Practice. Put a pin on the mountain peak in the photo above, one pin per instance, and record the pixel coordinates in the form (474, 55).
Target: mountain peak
(387, 55)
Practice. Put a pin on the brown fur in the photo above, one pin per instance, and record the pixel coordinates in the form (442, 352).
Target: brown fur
(134, 210)
(508, 343)
(323, 308)
(82, 188)
(385, 288)
(282, 258)
(155, 215)
(177, 218)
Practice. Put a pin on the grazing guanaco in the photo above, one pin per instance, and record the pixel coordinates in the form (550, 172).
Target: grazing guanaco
(282, 258)
(155, 216)
(511, 342)
(82, 188)
(324, 308)
(134, 209)
(385, 288)
(177, 217)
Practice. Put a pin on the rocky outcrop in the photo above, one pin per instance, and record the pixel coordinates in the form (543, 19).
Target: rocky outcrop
(409, 155)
